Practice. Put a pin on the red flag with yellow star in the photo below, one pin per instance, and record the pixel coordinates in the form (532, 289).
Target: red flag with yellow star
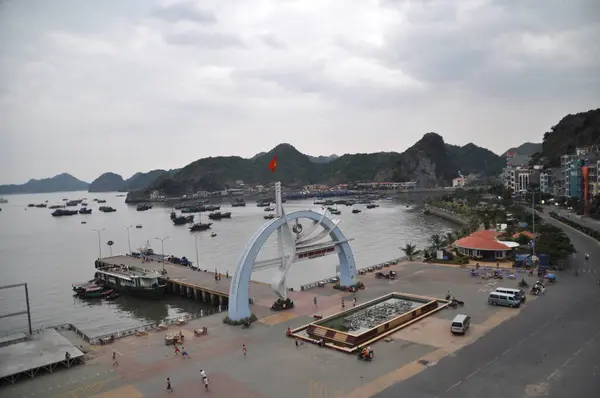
(273, 164)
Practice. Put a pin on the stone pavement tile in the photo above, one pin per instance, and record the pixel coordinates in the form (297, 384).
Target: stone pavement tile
(278, 318)
(121, 392)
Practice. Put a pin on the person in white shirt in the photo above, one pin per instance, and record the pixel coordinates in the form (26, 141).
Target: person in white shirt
(203, 374)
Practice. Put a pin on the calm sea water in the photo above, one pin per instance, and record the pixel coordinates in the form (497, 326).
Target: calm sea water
(51, 253)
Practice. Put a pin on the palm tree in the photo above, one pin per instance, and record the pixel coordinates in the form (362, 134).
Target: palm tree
(437, 241)
(450, 238)
(410, 251)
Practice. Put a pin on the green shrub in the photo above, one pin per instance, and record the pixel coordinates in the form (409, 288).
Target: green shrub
(252, 318)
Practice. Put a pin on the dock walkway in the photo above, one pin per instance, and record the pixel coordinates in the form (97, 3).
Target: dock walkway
(184, 281)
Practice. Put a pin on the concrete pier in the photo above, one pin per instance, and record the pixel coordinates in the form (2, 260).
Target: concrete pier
(186, 282)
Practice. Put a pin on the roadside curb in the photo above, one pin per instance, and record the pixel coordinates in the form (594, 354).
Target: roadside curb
(574, 229)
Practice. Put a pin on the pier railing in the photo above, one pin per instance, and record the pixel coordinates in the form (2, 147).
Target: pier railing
(371, 268)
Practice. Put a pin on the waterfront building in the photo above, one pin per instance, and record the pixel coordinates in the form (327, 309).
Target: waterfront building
(484, 245)
(458, 182)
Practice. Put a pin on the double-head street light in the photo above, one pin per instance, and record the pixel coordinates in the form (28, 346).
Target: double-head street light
(128, 236)
(196, 243)
(162, 248)
(99, 232)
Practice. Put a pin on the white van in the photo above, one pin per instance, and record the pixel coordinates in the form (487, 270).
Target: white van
(508, 300)
(514, 292)
(460, 324)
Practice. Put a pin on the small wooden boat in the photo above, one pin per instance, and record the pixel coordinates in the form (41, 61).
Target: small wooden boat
(181, 321)
(213, 234)
(138, 226)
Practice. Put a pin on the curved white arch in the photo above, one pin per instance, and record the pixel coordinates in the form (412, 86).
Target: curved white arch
(239, 306)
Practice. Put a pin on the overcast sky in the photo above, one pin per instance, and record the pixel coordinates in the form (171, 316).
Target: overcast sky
(88, 86)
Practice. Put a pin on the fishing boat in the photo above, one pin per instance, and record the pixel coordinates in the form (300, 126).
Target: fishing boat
(269, 209)
(372, 206)
(200, 226)
(85, 210)
(2, 200)
(219, 216)
(355, 211)
(182, 220)
(63, 212)
(143, 207)
(106, 209)
(139, 226)
(212, 235)
(238, 203)
(269, 216)
(93, 291)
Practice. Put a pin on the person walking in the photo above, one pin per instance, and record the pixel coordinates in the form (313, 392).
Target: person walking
(184, 353)
(114, 357)
(204, 379)
(354, 301)
(315, 301)
(169, 388)
(244, 349)
(343, 304)
(177, 351)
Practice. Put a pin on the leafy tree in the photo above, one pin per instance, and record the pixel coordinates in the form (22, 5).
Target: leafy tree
(410, 251)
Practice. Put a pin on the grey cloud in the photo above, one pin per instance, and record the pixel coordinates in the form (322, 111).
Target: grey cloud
(206, 40)
(185, 11)
(477, 57)
(272, 41)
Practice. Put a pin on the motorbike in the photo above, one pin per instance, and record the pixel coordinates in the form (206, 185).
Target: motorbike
(456, 303)
(368, 357)
(523, 283)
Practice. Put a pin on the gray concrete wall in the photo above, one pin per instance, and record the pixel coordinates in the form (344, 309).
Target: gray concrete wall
(448, 215)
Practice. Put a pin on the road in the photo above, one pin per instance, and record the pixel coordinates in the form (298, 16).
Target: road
(586, 221)
(552, 349)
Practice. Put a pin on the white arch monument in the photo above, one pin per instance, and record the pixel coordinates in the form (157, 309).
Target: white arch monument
(295, 243)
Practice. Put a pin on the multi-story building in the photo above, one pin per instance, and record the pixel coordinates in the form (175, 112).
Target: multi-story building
(546, 181)
(572, 173)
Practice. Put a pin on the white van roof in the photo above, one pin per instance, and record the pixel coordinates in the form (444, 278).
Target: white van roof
(460, 318)
(502, 294)
(508, 289)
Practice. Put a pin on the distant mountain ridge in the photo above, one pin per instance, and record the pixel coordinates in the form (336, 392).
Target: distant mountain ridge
(525, 149)
(315, 159)
(60, 183)
(431, 162)
(112, 182)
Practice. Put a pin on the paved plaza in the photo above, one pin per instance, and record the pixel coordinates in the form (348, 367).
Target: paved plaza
(274, 367)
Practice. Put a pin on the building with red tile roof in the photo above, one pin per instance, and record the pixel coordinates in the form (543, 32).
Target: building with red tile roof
(483, 244)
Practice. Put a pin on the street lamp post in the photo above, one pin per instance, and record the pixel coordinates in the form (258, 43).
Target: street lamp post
(533, 218)
(162, 248)
(128, 237)
(197, 257)
(99, 232)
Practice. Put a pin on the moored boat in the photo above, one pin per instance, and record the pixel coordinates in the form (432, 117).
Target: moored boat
(143, 207)
(85, 210)
(181, 220)
(200, 226)
(238, 203)
(219, 215)
(130, 280)
(106, 209)
(63, 212)
(269, 216)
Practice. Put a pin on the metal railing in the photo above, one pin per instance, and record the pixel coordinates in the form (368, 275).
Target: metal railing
(371, 268)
